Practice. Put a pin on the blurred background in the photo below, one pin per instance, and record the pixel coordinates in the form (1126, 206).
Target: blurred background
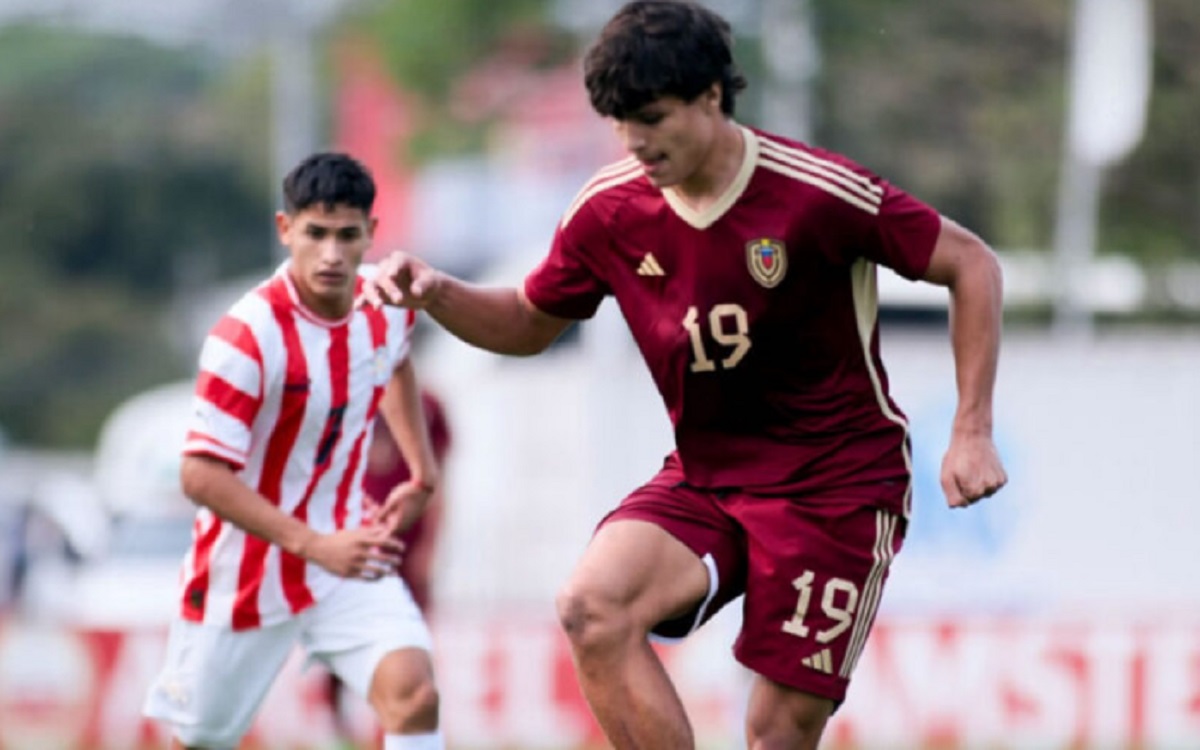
(141, 148)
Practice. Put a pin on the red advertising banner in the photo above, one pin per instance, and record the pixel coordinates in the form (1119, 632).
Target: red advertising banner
(507, 683)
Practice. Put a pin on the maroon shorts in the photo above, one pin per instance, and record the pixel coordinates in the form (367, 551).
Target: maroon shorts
(812, 569)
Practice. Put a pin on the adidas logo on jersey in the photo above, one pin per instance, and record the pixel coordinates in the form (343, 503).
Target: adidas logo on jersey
(821, 661)
(650, 267)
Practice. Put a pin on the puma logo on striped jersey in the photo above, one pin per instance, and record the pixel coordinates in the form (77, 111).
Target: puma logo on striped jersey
(297, 386)
(650, 267)
(822, 661)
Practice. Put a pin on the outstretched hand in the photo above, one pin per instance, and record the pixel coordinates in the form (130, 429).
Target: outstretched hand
(971, 470)
(403, 280)
(368, 552)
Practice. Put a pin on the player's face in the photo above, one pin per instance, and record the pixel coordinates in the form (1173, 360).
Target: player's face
(327, 247)
(673, 139)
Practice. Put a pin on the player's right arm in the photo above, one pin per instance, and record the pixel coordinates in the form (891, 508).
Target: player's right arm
(962, 262)
(368, 552)
(498, 319)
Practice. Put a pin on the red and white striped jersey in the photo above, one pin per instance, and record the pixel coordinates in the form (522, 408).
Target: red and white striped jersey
(288, 399)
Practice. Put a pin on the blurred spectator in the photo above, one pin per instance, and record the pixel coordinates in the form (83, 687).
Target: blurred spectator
(385, 469)
(12, 540)
(14, 553)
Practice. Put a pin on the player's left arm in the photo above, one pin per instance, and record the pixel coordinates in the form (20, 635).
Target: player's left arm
(964, 264)
(401, 410)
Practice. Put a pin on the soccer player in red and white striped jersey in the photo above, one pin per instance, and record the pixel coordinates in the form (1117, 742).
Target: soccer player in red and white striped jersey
(292, 379)
(744, 264)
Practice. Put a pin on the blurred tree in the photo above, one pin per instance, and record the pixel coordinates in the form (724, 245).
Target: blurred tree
(114, 175)
(964, 104)
(431, 46)
(1152, 206)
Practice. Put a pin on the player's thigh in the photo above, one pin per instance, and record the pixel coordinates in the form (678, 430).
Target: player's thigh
(668, 556)
(816, 575)
(636, 567)
(783, 714)
(360, 623)
(215, 678)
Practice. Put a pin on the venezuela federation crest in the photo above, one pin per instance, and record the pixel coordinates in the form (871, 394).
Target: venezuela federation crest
(767, 261)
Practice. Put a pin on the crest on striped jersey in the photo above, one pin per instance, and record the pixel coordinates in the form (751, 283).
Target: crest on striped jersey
(767, 260)
(380, 365)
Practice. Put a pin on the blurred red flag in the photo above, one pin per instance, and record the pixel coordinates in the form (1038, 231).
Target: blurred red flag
(373, 120)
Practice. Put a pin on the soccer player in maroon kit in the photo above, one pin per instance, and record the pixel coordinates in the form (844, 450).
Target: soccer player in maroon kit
(386, 470)
(744, 264)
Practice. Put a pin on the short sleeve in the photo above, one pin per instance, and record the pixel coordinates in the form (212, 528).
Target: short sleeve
(400, 325)
(389, 326)
(865, 216)
(904, 233)
(567, 283)
(228, 393)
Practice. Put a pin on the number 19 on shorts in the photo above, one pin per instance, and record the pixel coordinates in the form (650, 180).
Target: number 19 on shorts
(839, 600)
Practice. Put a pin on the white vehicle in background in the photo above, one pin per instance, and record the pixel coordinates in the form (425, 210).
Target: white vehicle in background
(126, 524)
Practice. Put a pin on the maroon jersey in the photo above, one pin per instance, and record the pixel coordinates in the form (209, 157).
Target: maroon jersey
(756, 317)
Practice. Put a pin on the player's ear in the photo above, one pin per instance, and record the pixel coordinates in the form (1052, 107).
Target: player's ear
(283, 226)
(712, 97)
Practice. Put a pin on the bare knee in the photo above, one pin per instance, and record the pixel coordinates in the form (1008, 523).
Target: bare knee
(633, 576)
(407, 708)
(404, 694)
(591, 620)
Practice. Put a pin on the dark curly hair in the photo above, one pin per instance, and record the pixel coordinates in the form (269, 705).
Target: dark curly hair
(656, 48)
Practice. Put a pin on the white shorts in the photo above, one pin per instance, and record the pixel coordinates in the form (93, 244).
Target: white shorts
(215, 678)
